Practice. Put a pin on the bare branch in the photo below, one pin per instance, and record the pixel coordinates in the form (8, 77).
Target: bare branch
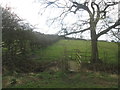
(64, 14)
(109, 28)
(81, 6)
(98, 13)
(93, 8)
(117, 34)
(76, 32)
(114, 3)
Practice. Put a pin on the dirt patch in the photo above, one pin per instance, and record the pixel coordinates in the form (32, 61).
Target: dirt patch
(73, 66)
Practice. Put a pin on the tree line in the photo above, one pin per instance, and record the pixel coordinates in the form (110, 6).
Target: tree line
(19, 40)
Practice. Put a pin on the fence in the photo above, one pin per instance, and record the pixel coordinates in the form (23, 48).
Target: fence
(63, 52)
(65, 56)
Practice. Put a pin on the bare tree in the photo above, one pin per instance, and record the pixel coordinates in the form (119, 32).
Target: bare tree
(95, 16)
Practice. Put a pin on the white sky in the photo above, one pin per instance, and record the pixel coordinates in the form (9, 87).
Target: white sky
(28, 10)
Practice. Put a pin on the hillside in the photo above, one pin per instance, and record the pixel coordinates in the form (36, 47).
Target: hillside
(108, 51)
(52, 76)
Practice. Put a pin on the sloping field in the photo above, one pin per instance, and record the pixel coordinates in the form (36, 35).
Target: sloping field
(108, 51)
(63, 49)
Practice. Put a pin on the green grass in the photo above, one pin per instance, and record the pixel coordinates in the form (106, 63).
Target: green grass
(65, 80)
(84, 79)
(108, 51)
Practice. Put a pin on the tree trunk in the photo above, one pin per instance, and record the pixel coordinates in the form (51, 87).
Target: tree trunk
(94, 56)
(94, 51)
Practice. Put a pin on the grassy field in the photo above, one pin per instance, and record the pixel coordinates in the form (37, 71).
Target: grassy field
(108, 51)
(61, 80)
(84, 79)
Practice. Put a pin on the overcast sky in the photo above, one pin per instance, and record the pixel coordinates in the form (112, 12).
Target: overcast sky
(29, 10)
